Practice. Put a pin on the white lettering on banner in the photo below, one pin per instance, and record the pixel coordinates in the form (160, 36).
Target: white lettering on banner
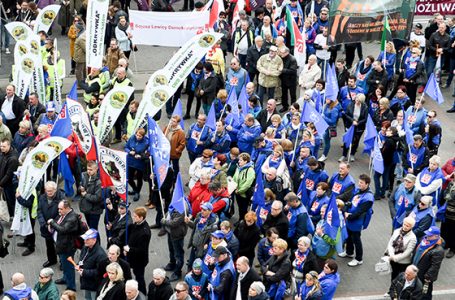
(96, 29)
(429, 7)
(165, 28)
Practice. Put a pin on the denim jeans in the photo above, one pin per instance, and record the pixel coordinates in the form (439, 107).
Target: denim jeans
(430, 64)
(327, 139)
(352, 241)
(5, 36)
(176, 253)
(68, 270)
(89, 295)
(380, 188)
(262, 90)
(242, 59)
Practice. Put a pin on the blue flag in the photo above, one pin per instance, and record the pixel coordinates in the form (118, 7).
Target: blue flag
(332, 219)
(370, 135)
(409, 133)
(234, 104)
(179, 112)
(331, 86)
(348, 136)
(433, 91)
(160, 149)
(243, 101)
(317, 99)
(259, 199)
(73, 93)
(378, 162)
(310, 114)
(401, 214)
(62, 126)
(179, 201)
(211, 118)
(247, 79)
(65, 170)
(303, 194)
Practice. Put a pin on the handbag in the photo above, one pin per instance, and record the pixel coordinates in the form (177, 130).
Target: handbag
(4, 214)
(383, 267)
(333, 131)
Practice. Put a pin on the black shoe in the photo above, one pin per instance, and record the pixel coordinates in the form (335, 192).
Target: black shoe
(156, 226)
(131, 193)
(136, 197)
(72, 72)
(284, 109)
(162, 232)
(186, 117)
(60, 281)
(169, 267)
(22, 244)
(175, 277)
(49, 263)
(452, 110)
(450, 254)
(27, 252)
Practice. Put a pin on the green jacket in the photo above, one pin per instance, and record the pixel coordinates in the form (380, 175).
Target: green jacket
(49, 291)
(244, 180)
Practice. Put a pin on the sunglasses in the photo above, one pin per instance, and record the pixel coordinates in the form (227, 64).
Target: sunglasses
(179, 291)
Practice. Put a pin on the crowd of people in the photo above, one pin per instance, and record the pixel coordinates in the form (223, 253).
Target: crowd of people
(239, 247)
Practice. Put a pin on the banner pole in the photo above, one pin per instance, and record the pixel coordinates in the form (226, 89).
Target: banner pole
(161, 202)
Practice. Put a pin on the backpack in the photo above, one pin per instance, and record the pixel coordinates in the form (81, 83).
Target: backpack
(82, 227)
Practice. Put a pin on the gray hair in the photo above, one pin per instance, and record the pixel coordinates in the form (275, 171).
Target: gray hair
(243, 260)
(436, 160)
(46, 272)
(115, 248)
(133, 284)
(159, 273)
(50, 185)
(306, 240)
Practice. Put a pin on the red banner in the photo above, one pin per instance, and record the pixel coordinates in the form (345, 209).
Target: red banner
(430, 7)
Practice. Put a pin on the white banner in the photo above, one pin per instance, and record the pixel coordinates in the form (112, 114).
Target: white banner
(113, 170)
(170, 29)
(37, 161)
(184, 61)
(19, 31)
(81, 125)
(57, 97)
(45, 18)
(110, 109)
(23, 72)
(96, 30)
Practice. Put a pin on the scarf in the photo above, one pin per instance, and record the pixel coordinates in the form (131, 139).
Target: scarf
(300, 258)
(398, 244)
(424, 246)
(123, 28)
(170, 131)
(245, 166)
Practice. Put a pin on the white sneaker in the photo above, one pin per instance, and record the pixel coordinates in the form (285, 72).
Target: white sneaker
(352, 158)
(343, 158)
(322, 158)
(387, 295)
(355, 263)
(7, 51)
(344, 254)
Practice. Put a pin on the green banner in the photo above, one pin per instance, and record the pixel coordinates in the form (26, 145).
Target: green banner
(362, 20)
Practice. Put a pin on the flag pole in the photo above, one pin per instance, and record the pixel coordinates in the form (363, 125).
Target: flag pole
(161, 202)
(199, 137)
(349, 152)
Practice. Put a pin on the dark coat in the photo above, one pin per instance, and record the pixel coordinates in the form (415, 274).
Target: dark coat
(90, 259)
(8, 165)
(161, 292)
(430, 263)
(412, 292)
(288, 75)
(48, 211)
(209, 86)
(249, 237)
(378, 118)
(35, 111)
(349, 116)
(123, 263)
(342, 77)
(376, 78)
(281, 266)
(66, 232)
(245, 284)
(118, 230)
(92, 202)
(280, 222)
(252, 57)
(262, 119)
(138, 240)
(117, 292)
(176, 226)
(224, 288)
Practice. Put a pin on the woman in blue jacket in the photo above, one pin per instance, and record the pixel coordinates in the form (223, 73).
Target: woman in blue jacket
(136, 147)
(331, 113)
(390, 59)
(329, 279)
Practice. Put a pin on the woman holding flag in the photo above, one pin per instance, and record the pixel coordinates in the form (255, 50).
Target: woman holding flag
(331, 114)
(413, 73)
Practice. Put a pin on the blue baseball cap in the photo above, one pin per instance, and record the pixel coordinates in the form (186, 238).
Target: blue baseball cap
(207, 206)
(90, 234)
(218, 234)
(50, 106)
(433, 230)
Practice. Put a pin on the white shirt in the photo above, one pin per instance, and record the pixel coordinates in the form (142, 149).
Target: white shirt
(420, 38)
(321, 40)
(242, 46)
(408, 283)
(7, 108)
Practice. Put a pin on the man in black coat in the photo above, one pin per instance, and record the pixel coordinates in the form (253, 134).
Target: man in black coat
(34, 108)
(13, 108)
(63, 229)
(254, 52)
(48, 209)
(265, 116)
(413, 289)
(118, 226)
(288, 78)
(92, 255)
(245, 277)
(428, 259)
(160, 287)
(113, 255)
(276, 218)
(8, 165)
(377, 76)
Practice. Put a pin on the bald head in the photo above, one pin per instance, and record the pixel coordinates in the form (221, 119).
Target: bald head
(17, 279)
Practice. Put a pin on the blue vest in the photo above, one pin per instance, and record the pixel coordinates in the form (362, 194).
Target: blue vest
(313, 178)
(415, 156)
(292, 217)
(363, 221)
(196, 286)
(193, 137)
(420, 214)
(426, 178)
(410, 67)
(402, 194)
(206, 260)
(314, 207)
(338, 185)
(216, 277)
(46, 121)
(19, 294)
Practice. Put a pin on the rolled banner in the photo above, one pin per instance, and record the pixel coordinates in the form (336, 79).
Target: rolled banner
(45, 18)
(19, 31)
(96, 30)
(111, 107)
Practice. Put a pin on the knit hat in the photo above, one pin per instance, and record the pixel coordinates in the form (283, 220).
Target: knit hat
(258, 287)
(197, 264)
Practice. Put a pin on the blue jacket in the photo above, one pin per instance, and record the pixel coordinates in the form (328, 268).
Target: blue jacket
(140, 147)
(236, 79)
(247, 136)
(232, 121)
(329, 284)
(331, 115)
(20, 141)
(259, 155)
(415, 119)
(360, 211)
(346, 99)
(390, 59)
(264, 251)
(193, 135)
(221, 144)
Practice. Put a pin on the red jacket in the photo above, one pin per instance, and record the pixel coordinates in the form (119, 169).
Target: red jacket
(219, 205)
(447, 169)
(199, 194)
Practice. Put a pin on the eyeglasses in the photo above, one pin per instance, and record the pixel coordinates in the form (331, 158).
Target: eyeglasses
(205, 156)
(42, 277)
(179, 291)
(430, 116)
(413, 52)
